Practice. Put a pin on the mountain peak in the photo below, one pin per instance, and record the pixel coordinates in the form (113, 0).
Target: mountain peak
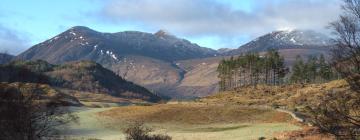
(80, 28)
(302, 38)
(79, 42)
(285, 39)
(162, 33)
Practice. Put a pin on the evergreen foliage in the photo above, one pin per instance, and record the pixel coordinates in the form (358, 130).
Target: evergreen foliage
(252, 69)
(315, 70)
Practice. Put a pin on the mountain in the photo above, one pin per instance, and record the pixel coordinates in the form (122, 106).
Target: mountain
(79, 43)
(201, 75)
(143, 58)
(81, 76)
(291, 39)
(5, 58)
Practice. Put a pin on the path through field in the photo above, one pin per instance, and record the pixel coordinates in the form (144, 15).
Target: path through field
(90, 127)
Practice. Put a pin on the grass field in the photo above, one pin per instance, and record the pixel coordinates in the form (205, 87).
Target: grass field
(182, 122)
(193, 114)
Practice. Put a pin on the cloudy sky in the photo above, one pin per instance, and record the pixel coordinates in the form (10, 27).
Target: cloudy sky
(209, 23)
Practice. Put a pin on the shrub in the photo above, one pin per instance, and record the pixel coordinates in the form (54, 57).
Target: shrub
(137, 131)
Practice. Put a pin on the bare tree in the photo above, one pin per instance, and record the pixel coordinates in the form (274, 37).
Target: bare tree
(27, 115)
(338, 113)
(346, 54)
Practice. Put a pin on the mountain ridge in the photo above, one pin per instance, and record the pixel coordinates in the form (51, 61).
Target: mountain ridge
(5, 58)
(161, 62)
(288, 39)
(93, 44)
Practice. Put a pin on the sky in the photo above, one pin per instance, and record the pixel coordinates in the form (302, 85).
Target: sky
(209, 23)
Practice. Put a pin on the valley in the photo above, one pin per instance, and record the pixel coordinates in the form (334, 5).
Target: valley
(180, 70)
(175, 88)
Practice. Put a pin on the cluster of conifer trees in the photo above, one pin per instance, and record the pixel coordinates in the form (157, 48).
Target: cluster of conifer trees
(253, 69)
(315, 70)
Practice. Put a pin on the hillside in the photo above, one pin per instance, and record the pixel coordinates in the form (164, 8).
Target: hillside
(293, 99)
(289, 96)
(81, 76)
(46, 93)
(5, 58)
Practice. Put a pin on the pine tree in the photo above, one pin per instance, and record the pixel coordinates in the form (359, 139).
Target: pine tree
(298, 70)
(221, 75)
(325, 71)
(251, 70)
(311, 69)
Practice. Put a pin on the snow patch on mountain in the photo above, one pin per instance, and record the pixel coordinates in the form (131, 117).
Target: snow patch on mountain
(287, 39)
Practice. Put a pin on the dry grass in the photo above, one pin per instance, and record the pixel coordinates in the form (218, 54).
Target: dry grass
(193, 114)
(100, 100)
(292, 96)
(187, 121)
(307, 133)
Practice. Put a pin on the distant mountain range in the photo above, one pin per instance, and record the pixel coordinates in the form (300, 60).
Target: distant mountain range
(165, 64)
(291, 39)
(5, 58)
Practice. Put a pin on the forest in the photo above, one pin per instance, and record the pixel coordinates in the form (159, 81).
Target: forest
(253, 69)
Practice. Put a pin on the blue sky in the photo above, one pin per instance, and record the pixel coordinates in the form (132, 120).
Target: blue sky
(209, 23)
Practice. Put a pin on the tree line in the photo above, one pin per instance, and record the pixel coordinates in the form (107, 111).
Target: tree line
(252, 69)
(269, 69)
(315, 70)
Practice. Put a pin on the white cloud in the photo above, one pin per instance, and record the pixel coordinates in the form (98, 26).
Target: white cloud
(209, 17)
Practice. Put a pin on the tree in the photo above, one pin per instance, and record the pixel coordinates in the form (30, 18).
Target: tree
(279, 67)
(314, 70)
(298, 70)
(221, 75)
(25, 115)
(311, 69)
(251, 69)
(346, 55)
(339, 113)
(325, 71)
